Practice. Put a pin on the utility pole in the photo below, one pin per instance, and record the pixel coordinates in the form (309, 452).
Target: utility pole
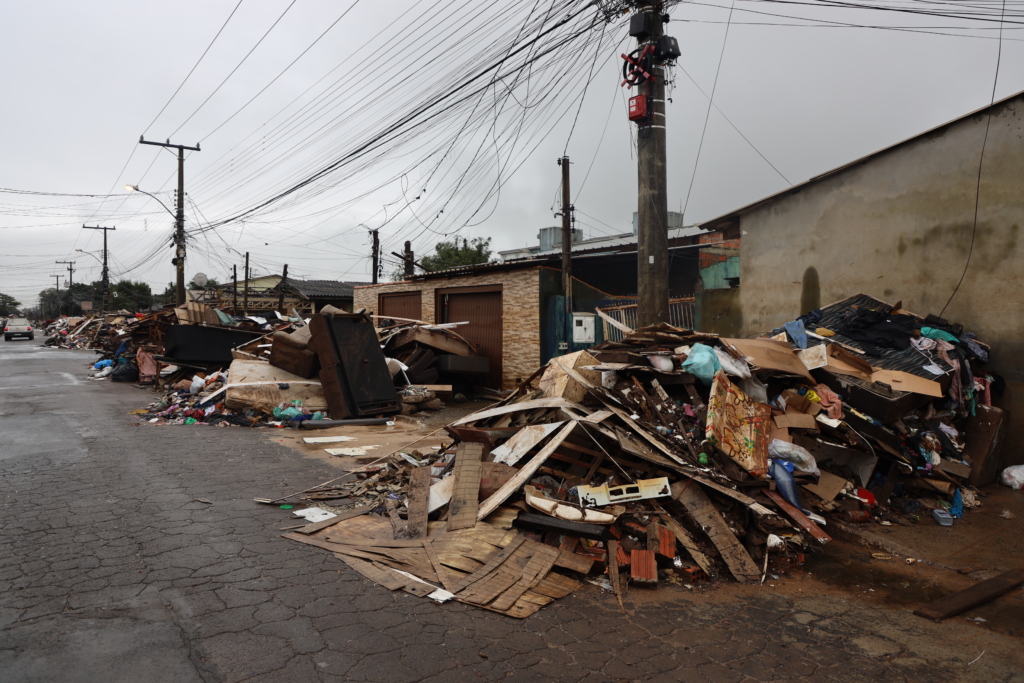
(234, 290)
(58, 292)
(652, 230)
(376, 254)
(566, 236)
(245, 300)
(106, 274)
(280, 297)
(409, 260)
(71, 283)
(179, 219)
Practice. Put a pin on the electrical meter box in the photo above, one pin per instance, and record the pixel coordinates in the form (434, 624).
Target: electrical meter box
(640, 25)
(583, 328)
(638, 108)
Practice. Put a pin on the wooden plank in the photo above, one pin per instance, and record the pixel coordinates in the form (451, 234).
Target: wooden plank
(736, 495)
(340, 517)
(398, 525)
(736, 557)
(462, 511)
(496, 558)
(383, 577)
(613, 572)
(525, 473)
(327, 439)
(574, 562)
(599, 416)
(540, 564)
(442, 574)
(520, 407)
(419, 491)
(643, 568)
(978, 594)
(799, 517)
(513, 450)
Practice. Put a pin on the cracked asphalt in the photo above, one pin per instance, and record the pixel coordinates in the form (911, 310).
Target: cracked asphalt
(112, 570)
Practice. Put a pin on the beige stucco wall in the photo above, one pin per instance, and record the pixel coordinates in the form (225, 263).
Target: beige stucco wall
(899, 227)
(520, 313)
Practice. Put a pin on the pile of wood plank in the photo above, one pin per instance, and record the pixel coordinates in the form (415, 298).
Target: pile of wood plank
(599, 464)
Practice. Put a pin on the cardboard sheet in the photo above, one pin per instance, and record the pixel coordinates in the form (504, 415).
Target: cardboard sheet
(766, 354)
(738, 425)
(904, 381)
(796, 420)
(842, 362)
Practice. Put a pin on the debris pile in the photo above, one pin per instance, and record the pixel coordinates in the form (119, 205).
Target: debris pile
(426, 354)
(677, 457)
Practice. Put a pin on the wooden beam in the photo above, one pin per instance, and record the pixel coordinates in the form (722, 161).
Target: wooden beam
(419, 491)
(613, 572)
(700, 507)
(799, 517)
(978, 594)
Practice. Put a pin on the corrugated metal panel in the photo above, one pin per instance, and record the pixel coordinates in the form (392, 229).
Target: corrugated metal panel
(483, 311)
(401, 305)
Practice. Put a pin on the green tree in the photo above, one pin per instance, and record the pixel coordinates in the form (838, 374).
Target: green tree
(8, 305)
(452, 253)
(211, 284)
(52, 302)
(131, 296)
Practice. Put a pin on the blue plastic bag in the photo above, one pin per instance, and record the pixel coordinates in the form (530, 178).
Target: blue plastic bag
(702, 363)
(103, 364)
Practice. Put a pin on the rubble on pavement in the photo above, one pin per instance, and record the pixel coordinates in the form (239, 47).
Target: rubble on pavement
(674, 457)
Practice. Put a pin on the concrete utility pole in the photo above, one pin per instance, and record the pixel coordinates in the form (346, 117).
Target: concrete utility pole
(234, 290)
(280, 297)
(409, 260)
(179, 220)
(245, 299)
(566, 235)
(652, 231)
(376, 253)
(106, 274)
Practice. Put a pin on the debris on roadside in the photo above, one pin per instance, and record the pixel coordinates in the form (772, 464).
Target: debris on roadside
(674, 453)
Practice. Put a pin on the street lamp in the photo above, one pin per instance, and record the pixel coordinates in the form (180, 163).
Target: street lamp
(135, 188)
(179, 234)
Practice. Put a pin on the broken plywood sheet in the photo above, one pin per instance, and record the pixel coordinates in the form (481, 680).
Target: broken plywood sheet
(738, 425)
(462, 513)
(258, 385)
(521, 406)
(557, 382)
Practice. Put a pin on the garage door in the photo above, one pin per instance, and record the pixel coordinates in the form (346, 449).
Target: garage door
(482, 309)
(401, 305)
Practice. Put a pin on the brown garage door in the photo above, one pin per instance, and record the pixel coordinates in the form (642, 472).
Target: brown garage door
(482, 309)
(401, 305)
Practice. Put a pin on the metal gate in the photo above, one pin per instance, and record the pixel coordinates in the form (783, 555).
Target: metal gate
(482, 309)
(680, 314)
(401, 305)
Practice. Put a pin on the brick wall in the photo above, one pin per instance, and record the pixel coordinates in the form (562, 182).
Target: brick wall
(520, 313)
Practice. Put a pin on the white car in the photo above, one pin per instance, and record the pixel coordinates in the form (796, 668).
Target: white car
(18, 327)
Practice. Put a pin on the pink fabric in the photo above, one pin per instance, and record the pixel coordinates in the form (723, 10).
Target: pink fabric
(830, 402)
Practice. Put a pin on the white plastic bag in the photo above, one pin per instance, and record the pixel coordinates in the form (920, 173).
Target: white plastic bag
(1013, 477)
(800, 457)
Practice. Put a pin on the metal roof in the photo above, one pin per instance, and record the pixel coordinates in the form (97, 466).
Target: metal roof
(323, 289)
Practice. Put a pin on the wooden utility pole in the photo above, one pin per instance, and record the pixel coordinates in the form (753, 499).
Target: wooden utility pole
(234, 289)
(566, 236)
(106, 273)
(409, 260)
(179, 217)
(58, 292)
(376, 253)
(652, 229)
(71, 283)
(245, 300)
(280, 296)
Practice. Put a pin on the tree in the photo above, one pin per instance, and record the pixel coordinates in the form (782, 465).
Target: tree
(210, 284)
(52, 302)
(8, 305)
(131, 296)
(458, 252)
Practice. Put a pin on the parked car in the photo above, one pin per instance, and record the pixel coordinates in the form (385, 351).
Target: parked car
(18, 327)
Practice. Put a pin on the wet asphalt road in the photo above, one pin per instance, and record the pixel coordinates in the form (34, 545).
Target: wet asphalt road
(112, 570)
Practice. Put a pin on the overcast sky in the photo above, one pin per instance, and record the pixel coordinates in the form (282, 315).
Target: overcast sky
(81, 81)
